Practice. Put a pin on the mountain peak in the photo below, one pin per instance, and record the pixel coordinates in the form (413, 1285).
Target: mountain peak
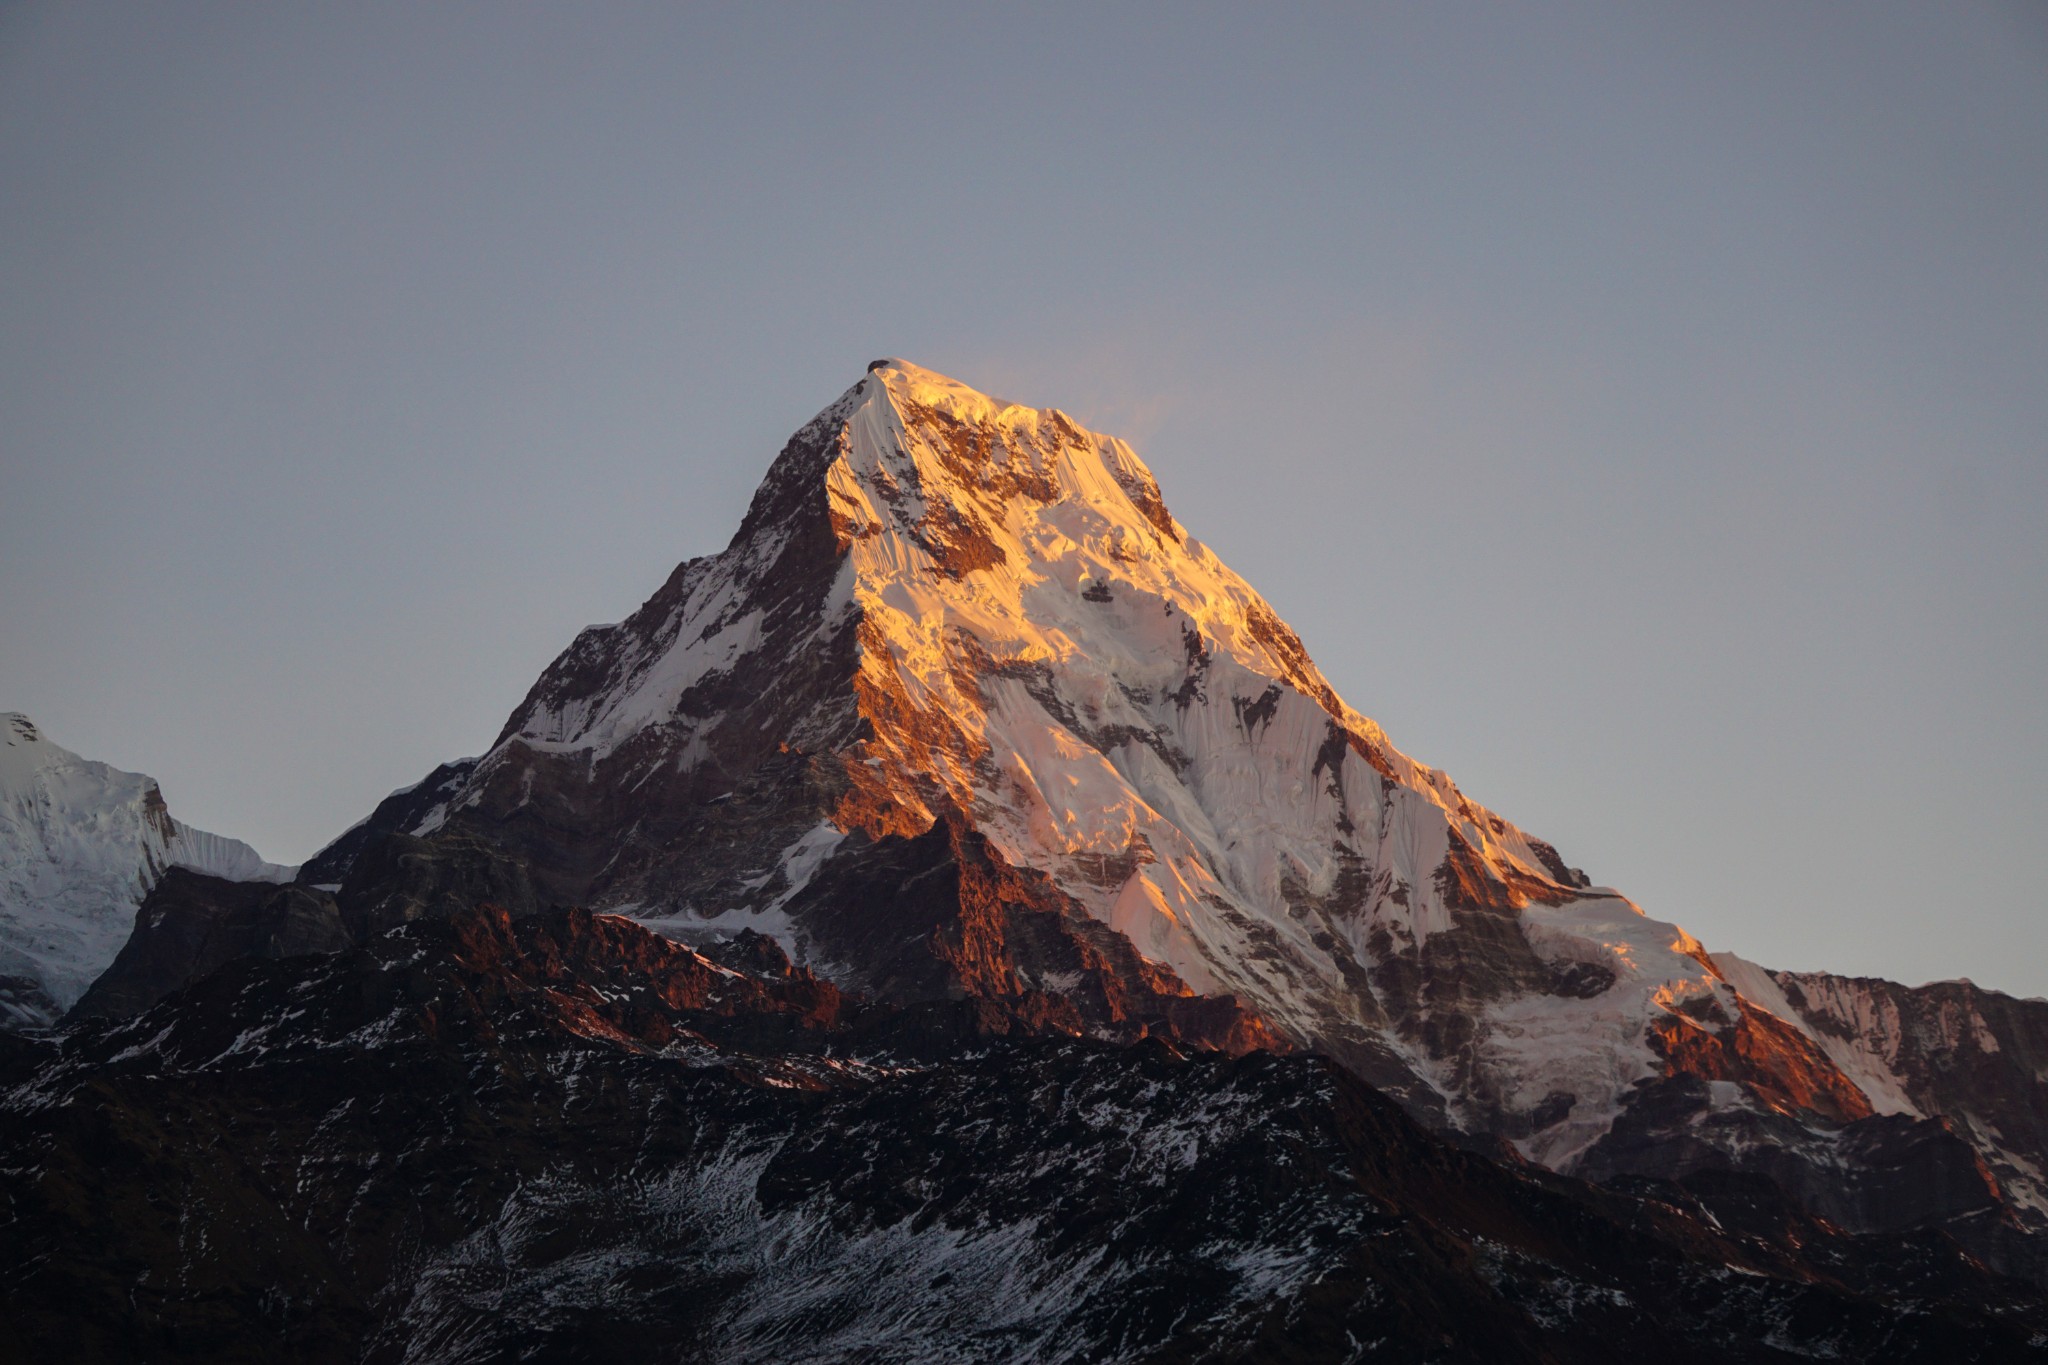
(945, 609)
(963, 713)
(943, 460)
(920, 393)
(930, 388)
(24, 747)
(942, 603)
(965, 722)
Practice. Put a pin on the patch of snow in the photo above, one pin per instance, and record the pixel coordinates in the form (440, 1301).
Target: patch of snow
(217, 855)
(793, 870)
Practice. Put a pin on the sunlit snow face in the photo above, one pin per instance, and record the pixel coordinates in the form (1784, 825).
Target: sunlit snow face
(1113, 705)
(1039, 648)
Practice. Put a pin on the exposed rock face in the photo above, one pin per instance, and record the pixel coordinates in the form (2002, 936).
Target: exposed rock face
(941, 916)
(1974, 1058)
(418, 809)
(81, 844)
(563, 1137)
(401, 878)
(1883, 1172)
(963, 710)
(191, 924)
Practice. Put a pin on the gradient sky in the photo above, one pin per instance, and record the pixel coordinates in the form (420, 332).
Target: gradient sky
(1641, 410)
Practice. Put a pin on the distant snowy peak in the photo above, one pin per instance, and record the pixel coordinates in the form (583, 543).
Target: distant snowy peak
(81, 843)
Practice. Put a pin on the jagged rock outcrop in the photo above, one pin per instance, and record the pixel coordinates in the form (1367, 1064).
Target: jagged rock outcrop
(483, 1137)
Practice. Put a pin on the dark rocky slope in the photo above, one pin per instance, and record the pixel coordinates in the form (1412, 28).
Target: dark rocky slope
(190, 924)
(560, 1137)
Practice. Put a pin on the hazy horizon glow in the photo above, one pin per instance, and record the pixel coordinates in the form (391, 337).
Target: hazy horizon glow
(1641, 412)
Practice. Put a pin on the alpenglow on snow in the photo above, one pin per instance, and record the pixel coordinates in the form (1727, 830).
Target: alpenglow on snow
(962, 710)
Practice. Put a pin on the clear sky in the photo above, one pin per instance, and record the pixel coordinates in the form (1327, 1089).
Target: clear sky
(1641, 410)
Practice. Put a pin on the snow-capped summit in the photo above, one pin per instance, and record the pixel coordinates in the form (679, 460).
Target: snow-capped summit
(963, 710)
(81, 844)
(946, 603)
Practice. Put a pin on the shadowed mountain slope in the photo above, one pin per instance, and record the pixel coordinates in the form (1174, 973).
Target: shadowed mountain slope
(563, 1137)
